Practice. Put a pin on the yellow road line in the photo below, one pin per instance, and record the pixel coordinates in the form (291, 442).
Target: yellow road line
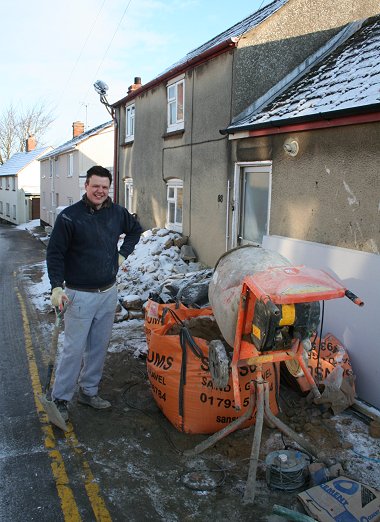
(93, 492)
(69, 507)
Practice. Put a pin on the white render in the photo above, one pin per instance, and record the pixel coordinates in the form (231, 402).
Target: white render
(24, 185)
(60, 189)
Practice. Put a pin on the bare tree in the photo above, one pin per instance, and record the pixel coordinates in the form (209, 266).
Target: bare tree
(17, 124)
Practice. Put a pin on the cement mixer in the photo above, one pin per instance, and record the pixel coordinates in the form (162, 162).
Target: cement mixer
(267, 311)
(226, 284)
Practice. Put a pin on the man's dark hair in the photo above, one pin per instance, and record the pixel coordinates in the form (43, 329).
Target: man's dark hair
(97, 170)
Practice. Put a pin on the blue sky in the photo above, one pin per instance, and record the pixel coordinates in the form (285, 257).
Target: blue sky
(53, 51)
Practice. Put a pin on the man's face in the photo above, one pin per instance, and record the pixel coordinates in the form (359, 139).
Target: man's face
(97, 190)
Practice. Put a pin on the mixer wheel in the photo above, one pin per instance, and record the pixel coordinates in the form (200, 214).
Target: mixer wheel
(219, 363)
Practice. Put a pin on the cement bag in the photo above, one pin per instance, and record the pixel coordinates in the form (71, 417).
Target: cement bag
(157, 314)
(227, 281)
(182, 386)
(332, 371)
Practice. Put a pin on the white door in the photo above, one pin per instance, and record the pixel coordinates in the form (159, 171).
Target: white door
(252, 203)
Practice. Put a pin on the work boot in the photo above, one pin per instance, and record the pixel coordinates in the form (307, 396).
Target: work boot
(95, 401)
(62, 408)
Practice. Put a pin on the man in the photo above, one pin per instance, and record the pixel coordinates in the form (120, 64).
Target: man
(82, 262)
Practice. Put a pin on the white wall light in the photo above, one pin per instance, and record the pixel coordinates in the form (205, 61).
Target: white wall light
(291, 147)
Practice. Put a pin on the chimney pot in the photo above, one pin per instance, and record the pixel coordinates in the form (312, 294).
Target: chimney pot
(78, 128)
(30, 143)
(135, 85)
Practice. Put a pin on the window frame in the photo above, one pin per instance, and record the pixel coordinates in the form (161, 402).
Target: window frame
(179, 123)
(70, 165)
(176, 184)
(128, 194)
(130, 120)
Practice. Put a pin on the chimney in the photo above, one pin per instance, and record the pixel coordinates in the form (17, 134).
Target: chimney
(135, 85)
(30, 143)
(78, 128)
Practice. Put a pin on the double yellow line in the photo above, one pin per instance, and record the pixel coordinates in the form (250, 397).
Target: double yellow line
(68, 504)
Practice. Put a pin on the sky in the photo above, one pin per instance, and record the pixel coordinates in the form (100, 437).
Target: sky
(53, 52)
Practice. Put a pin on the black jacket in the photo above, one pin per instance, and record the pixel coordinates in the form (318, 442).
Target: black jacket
(82, 249)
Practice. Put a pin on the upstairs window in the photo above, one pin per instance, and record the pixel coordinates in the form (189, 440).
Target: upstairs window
(14, 183)
(52, 168)
(130, 122)
(70, 165)
(128, 194)
(1, 182)
(176, 107)
(174, 205)
(7, 183)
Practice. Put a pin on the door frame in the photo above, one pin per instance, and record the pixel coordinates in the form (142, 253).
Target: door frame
(237, 194)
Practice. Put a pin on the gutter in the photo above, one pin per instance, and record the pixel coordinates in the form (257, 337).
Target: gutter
(320, 120)
(215, 51)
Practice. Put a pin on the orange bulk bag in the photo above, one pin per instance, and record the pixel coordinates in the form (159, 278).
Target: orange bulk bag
(157, 314)
(182, 387)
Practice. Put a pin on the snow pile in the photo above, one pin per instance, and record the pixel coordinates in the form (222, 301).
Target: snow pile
(156, 258)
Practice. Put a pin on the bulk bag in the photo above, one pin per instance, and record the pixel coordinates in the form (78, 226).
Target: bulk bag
(182, 387)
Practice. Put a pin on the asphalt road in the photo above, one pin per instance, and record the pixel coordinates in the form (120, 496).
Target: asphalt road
(125, 464)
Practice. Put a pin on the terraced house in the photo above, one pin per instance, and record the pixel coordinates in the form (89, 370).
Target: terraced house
(174, 166)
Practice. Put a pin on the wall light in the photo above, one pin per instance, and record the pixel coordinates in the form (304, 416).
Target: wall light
(291, 147)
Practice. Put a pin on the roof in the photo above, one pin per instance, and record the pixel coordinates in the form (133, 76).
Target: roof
(70, 145)
(229, 36)
(346, 82)
(20, 160)
(236, 31)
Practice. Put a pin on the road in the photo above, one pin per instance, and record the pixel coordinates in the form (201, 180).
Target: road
(123, 464)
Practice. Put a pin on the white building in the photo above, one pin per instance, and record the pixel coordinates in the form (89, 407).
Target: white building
(20, 184)
(63, 170)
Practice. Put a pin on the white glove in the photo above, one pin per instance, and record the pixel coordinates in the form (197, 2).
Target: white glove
(58, 297)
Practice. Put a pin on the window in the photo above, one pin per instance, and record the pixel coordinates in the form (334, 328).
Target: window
(252, 193)
(14, 212)
(130, 123)
(52, 167)
(14, 183)
(70, 165)
(176, 100)
(1, 207)
(174, 210)
(128, 194)
(7, 183)
(1, 183)
(7, 211)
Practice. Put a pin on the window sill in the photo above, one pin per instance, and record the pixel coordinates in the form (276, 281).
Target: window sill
(173, 133)
(128, 143)
(173, 228)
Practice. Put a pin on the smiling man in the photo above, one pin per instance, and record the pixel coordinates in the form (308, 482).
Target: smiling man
(82, 262)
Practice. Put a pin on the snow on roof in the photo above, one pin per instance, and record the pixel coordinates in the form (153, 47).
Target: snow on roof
(69, 145)
(348, 79)
(20, 160)
(235, 31)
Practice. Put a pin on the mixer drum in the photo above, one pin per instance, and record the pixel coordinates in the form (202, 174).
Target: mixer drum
(227, 281)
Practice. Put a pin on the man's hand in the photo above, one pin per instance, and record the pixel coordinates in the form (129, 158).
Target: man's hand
(58, 298)
(121, 259)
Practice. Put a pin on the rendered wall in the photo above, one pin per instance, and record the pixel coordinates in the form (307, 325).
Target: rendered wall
(198, 156)
(329, 192)
(268, 53)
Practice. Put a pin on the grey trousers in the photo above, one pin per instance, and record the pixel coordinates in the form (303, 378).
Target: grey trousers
(88, 327)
